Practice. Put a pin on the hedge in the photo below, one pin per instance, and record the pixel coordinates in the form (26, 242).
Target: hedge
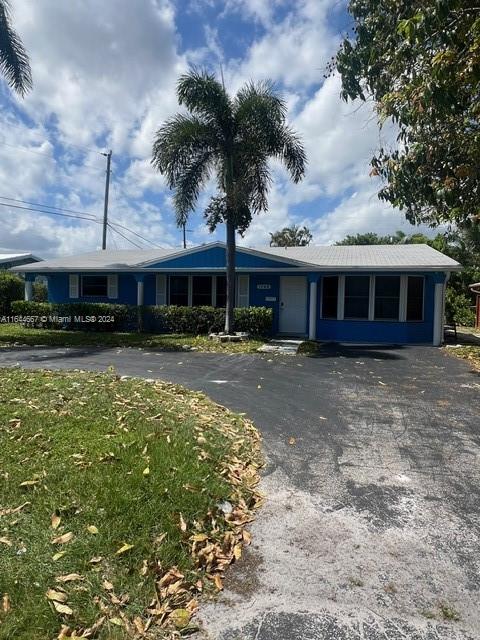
(11, 288)
(163, 319)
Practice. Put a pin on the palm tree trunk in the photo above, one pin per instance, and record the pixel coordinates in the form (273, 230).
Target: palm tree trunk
(229, 320)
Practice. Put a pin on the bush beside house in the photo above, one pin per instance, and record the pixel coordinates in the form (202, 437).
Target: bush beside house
(11, 288)
(160, 319)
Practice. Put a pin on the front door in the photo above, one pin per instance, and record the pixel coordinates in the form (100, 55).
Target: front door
(293, 305)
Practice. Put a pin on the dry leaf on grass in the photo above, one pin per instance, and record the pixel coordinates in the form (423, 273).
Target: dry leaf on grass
(92, 529)
(58, 596)
(123, 549)
(55, 521)
(62, 608)
(63, 539)
(6, 541)
(57, 556)
(69, 577)
(183, 524)
(6, 606)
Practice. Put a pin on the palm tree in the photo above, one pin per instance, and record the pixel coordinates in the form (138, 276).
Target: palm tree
(293, 236)
(231, 139)
(14, 62)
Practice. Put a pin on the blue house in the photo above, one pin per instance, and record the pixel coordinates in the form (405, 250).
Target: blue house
(375, 294)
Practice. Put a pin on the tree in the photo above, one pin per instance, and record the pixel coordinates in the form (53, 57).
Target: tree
(233, 140)
(14, 63)
(399, 237)
(419, 61)
(293, 236)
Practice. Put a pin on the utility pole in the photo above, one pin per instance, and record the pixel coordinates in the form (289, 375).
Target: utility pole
(105, 204)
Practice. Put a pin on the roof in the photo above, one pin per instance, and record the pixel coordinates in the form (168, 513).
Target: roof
(10, 257)
(316, 258)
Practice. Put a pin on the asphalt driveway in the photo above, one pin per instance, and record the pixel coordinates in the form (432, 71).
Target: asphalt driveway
(371, 528)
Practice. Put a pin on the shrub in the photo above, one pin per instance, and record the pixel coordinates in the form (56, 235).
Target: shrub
(40, 292)
(458, 308)
(11, 288)
(165, 319)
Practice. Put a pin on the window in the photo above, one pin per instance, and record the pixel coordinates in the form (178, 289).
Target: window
(387, 297)
(201, 291)
(179, 290)
(329, 297)
(94, 286)
(415, 299)
(221, 291)
(357, 294)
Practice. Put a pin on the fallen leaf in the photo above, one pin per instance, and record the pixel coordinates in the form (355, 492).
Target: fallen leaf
(6, 541)
(108, 586)
(29, 483)
(55, 521)
(58, 555)
(58, 596)
(124, 548)
(292, 440)
(183, 524)
(66, 537)
(95, 559)
(92, 529)
(382, 383)
(146, 471)
(6, 606)
(62, 608)
(180, 618)
(116, 621)
(237, 551)
(69, 577)
(7, 512)
(218, 582)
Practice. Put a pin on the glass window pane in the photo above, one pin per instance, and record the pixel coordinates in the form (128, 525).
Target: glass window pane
(357, 293)
(179, 290)
(329, 297)
(221, 291)
(415, 299)
(94, 286)
(387, 297)
(201, 291)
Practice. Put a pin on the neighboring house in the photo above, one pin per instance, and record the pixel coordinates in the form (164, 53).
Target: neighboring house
(376, 294)
(9, 260)
(475, 288)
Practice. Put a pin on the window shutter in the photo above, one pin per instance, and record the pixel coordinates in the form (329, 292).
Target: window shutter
(73, 285)
(112, 288)
(161, 289)
(243, 291)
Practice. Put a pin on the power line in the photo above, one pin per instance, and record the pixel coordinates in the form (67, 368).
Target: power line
(51, 213)
(40, 153)
(117, 224)
(125, 237)
(47, 206)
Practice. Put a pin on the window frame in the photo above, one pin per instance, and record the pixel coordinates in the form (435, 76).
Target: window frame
(422, 277)
(170, 290)
(400, 284)
(322, 289)
(93, 295)
(210, 278)
(369, 298)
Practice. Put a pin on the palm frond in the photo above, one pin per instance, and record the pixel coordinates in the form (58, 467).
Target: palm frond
(202, 94)
(14, 62)
(291, 152)
(188, 185)
(178, 142)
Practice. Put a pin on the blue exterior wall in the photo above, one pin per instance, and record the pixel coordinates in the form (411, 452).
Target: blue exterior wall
(265, 291)
(214, 258)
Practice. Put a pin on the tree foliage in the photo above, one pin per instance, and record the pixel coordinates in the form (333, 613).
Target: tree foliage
(232, 140)
(419, 61)
(293, 236)
(14, 63)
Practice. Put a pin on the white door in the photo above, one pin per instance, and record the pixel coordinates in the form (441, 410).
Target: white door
(293, 304)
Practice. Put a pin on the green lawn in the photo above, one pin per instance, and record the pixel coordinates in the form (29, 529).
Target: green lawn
(16, 333)
(469, 353)
(111, 515)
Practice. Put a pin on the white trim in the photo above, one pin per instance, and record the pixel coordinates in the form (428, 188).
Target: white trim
(112, 286)
(160, 289)
(341, 298)
(438, 314)
(73, 288)
(312, 318)
(190, 291)
(28, 290)
(371, 299)
(214, 291)
(402, 303)
(140, 290)
(243, 297)
(301, 271)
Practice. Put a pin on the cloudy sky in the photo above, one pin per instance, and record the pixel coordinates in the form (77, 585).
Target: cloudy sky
(104, 77)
